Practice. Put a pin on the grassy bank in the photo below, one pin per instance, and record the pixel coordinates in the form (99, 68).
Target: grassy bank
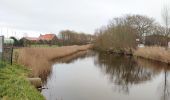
(154, 53)
(39, 60)
(14, 86)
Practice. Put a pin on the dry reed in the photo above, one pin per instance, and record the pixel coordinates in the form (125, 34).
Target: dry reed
(154, 53)
(39, 60)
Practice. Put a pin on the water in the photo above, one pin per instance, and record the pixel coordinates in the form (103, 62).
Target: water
(94, 76)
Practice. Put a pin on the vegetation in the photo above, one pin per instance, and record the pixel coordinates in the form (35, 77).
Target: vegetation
(156, 39)
(39, 60)
(122, 32)
(154, 53)
(118, 36)
(68, 37)
(17, 42)
(14, 86)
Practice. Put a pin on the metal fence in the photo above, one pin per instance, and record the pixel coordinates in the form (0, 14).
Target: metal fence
(6, 51)
(1, 46)
(7, 54)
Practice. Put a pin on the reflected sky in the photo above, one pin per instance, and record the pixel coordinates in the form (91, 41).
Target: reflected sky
(108, 77)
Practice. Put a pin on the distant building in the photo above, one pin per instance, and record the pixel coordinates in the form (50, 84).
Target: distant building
(155, 39)
(27, 41)
(49, 38)
(31, 39)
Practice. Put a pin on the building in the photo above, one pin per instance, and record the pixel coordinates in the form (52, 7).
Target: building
(48, 38)
(155, 39)
(31, 39)
(27, 41)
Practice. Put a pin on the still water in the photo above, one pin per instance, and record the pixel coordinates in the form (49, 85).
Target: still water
(95, 76)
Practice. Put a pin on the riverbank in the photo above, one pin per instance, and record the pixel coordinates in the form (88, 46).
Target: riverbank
(39, 60)
(160, 54)
(154, 53)
(13, 84)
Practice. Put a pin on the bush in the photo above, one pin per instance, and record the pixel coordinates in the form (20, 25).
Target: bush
(117, 36)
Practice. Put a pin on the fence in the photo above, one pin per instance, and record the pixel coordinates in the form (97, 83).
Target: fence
(1, 46)
(6, 51)
(7, 54)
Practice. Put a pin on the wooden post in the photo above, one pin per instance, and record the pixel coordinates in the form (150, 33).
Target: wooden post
(11, 55)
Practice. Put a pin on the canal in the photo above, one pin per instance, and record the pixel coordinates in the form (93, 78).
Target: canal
(97, 76)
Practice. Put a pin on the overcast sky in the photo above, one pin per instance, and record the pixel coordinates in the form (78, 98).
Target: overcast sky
(32, 17)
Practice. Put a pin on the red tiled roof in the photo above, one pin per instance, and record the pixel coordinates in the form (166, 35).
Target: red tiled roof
(47, 37)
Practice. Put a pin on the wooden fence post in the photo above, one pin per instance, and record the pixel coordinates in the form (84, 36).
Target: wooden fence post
(11, 54)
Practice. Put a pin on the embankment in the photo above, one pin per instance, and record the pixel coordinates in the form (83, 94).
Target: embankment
(39, 60)
(13, 84)
(154, 53)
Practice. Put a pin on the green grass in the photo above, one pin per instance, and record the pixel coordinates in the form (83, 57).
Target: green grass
(14, 86)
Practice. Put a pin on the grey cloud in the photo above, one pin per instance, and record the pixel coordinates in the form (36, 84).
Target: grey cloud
(79, 15)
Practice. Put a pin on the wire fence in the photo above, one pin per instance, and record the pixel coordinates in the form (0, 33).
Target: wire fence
(6, 51)
(1, 47)
(7, 54)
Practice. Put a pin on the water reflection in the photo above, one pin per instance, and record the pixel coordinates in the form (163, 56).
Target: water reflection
(158, 67)
(165, 87)
(74, 57)
(67, 60)
(123, 71)
(125, 74)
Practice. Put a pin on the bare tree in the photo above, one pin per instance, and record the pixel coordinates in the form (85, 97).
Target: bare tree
(166, 19)
(143, 24)
(117, 36)
(69, 37)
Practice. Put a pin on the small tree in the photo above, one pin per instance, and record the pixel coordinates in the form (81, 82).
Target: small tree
(16, 42)
(117, 36)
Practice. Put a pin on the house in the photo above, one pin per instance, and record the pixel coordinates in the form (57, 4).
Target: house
(27, 41)
(49, 38)
(156, 39)
(31, 39)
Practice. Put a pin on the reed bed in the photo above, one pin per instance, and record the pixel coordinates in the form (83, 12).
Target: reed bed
(154, 53)
(39, 60)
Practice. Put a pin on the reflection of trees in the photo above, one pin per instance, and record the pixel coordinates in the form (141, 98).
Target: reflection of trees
(74, 57)
(44, 73)
(158, 67)
(123, 71)
(165, 95)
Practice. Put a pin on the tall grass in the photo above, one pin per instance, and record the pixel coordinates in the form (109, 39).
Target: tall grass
(39, 60)
(154, 53)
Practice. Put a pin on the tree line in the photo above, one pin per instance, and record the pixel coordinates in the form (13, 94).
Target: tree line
(125, 32)
(68, 37)
(65, 37)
